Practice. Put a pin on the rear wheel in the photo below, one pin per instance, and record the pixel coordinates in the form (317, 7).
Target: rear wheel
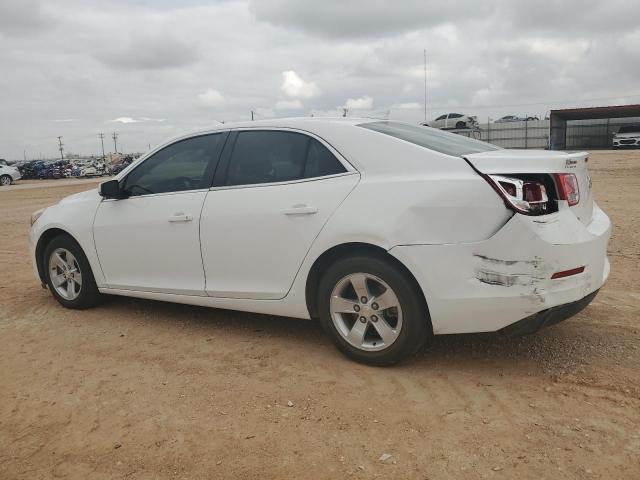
(372, 311)
(5, 180)
(69, 275)
(461, 125)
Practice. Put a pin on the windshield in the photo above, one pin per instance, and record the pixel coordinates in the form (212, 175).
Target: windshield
(629, 129)
(431, 138)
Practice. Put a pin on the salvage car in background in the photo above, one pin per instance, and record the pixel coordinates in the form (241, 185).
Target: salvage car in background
(8, 173)
(450, 121)
(627, 136)
(387, 232)
(514, 118)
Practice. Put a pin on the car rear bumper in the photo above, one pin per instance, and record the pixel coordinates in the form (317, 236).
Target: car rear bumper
(486, 286)
(547, 317)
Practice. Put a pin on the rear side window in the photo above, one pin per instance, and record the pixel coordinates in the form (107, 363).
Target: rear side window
(269, 156)
(184, 165)
(431, 138)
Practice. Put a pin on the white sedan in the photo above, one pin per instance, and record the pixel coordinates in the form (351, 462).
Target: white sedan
(387, 232)
(8, 174)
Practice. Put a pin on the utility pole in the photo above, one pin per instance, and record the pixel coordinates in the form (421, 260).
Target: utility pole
(101, 135)
(60, 145)
(252, 115)
(24, 154)
(114, 135)
(425, 85)
(345, 110)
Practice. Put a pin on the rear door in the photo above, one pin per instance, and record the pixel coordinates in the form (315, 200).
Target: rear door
(273, 193)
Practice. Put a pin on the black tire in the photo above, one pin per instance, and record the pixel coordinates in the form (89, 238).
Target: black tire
(88, 295)
(5, 180)
(416, 324)
(461, 125)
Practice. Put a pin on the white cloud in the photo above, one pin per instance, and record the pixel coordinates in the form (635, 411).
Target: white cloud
(407, 106)
(288, 105)
(294, 86)
(264, 113)
(124, 120)
(362, 103)
(131, 120)
(211, 98)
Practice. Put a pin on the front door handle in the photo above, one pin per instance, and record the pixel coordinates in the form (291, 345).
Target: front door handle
(301, 210)
(180, 217)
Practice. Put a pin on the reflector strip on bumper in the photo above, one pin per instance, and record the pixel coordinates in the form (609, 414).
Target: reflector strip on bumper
(567, 273)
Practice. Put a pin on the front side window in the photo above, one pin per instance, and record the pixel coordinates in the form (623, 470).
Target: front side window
(184, 165)
(269, 156)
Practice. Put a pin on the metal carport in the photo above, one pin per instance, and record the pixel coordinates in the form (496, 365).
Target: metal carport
(559, 119)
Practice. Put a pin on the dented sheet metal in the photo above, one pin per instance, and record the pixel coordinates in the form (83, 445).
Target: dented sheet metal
(490, 284)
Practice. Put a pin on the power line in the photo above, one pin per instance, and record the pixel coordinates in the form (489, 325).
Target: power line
(544, 102)
(60, 145)
(425, 85)
(101, 135)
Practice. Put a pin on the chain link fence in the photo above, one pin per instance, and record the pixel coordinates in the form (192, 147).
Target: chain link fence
(581, 134)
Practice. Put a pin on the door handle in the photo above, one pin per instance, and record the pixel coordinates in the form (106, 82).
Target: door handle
(301, 210)
(180, 217)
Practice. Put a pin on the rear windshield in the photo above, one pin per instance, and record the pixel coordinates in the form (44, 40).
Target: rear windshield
(431, 138)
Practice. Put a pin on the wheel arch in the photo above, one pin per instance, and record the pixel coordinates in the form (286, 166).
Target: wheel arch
(350, 249)
(42, 243)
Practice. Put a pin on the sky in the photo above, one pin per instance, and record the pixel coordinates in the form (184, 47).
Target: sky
(150, 70)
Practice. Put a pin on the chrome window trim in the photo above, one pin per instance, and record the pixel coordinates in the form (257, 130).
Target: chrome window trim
(286, 182)
(150, 195)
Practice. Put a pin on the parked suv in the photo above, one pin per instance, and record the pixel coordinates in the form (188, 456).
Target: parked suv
(627, 136)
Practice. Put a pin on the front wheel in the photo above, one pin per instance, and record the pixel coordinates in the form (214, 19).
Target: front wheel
(372, 310)
(68, 274)
(5, 180)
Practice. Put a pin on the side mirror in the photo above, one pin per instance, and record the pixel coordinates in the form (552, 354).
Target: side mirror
(111, 189)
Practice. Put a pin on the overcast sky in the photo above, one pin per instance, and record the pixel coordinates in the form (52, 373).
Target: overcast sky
(150, 70)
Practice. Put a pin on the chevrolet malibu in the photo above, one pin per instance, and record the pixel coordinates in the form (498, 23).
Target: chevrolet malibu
(389, 233)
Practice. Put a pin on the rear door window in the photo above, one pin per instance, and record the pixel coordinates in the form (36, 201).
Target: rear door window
(271, 156)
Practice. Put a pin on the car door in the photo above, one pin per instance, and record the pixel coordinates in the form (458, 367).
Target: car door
(440, 121)
(150, 240)
(273, 193)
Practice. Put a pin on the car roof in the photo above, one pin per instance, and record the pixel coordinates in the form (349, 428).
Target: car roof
(302, 123)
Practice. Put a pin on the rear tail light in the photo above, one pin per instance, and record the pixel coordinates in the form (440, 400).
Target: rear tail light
(522, 196)
(568, 190)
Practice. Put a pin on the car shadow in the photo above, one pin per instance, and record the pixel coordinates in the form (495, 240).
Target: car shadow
(555, 348)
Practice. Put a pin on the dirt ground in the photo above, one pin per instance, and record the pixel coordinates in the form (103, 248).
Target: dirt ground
(143, 390)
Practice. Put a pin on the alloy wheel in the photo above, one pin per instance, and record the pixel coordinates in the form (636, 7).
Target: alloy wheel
(366, 311)
(65, 274)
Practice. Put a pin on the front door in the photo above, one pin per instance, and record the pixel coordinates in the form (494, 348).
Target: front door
(150, 240)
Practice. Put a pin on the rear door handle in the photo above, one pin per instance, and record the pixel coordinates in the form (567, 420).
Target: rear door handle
(180, 217)
(301, 210)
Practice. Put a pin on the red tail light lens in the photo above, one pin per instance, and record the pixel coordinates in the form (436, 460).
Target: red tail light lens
(567, 184)
(523, 196)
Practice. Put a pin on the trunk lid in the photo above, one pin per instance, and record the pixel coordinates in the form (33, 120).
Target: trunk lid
(506, 162)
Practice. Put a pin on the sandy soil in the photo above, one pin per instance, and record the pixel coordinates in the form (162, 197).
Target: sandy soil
(142, 390)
